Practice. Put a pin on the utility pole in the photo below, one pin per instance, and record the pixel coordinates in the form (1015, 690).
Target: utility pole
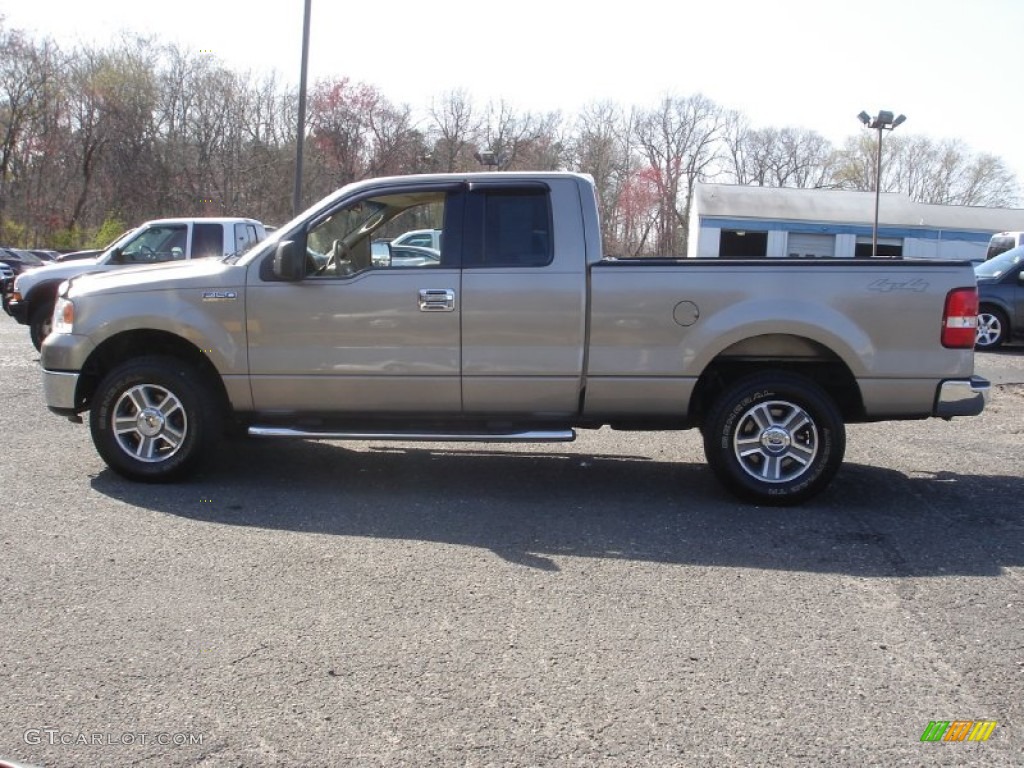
(300, 135)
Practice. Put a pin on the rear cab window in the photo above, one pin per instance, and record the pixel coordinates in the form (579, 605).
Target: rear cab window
(207, 240)
(508, 227)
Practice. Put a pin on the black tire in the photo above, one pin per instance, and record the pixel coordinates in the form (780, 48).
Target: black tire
(40, 324)
(774, 438)
(169, 419)
(993, 327)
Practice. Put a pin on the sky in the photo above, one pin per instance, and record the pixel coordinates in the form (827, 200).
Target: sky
(953, 68)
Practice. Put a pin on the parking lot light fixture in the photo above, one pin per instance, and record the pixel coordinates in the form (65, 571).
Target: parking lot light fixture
(883, 121)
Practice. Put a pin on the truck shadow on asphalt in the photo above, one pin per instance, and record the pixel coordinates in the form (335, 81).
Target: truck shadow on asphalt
(532, 508)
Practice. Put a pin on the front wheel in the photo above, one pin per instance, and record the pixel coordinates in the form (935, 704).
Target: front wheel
(774, 439)
(154, 419)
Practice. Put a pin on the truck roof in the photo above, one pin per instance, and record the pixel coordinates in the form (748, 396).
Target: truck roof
(384, 182)
(211, 219)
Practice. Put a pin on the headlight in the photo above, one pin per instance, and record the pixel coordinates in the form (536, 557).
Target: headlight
(64, 316)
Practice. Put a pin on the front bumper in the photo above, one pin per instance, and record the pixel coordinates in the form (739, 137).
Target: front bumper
(62, 357)
(59, 389)
(18, 310)
(961, 397)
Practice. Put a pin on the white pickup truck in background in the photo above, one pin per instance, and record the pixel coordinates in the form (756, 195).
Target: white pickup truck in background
(155, 242)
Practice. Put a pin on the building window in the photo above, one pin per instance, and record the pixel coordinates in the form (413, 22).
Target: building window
(888, 247)
(742, 244)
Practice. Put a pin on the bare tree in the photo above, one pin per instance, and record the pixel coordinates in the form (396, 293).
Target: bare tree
(266, 116)
(773, 157)
(602, 147)
(129, 87)
(397, 146)
(27, 70)
(87, 128)
(942, 173)
(453, 131)
(680, 141)
(338, 121)
(523, 141)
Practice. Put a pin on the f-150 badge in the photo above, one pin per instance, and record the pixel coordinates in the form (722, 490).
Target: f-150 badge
(219, 295)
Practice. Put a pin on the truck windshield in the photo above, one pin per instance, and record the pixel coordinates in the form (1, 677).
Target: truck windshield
(996, 267)
(153, 245)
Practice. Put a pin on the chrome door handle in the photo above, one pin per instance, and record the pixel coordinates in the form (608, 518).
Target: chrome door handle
(437, 300)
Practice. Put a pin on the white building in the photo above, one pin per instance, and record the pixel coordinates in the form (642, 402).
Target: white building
(732, 221)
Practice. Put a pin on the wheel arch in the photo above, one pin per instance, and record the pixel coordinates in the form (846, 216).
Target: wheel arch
(1000, 305)
(132, 344)
(787, 353)
(46, 290)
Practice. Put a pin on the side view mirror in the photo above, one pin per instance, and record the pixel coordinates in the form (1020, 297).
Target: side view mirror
(116, 257)
(289, 262)
(380, 254)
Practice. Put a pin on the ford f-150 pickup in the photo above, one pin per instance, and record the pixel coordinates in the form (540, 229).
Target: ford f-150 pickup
(520, 331)
(155, 242)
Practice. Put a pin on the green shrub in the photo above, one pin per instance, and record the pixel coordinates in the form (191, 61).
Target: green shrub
(111, 229)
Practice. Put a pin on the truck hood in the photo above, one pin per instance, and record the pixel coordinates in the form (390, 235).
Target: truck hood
(199, 273)
(59, 271)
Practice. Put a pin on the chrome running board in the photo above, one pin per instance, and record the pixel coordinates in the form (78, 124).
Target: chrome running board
(532, 436)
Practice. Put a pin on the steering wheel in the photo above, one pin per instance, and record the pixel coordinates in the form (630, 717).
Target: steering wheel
(338, 262)
(146, 251)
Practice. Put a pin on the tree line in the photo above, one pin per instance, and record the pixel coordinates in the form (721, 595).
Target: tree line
(95, 139)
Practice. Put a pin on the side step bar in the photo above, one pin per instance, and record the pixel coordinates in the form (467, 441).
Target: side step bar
(532, 436)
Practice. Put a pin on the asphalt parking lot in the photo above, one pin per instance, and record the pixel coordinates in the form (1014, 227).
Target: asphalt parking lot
(597, 603)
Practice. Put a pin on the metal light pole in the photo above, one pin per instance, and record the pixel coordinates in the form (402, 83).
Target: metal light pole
(883, 121)
(300, 136)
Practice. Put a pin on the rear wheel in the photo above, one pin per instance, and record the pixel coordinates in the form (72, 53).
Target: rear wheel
(154, 419)
(992, 328)
(774, 438)
(41, 324)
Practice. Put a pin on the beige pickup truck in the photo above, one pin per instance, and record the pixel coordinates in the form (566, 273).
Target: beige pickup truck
(515, 329)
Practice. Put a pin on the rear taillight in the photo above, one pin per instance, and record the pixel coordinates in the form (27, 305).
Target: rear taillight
(960, 318)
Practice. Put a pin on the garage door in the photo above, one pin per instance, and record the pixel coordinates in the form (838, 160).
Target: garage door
(805, 244)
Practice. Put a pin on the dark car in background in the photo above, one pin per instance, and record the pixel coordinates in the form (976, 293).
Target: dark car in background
(19, 260)
(1000, 299)
(14, 261)
(6, 276)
